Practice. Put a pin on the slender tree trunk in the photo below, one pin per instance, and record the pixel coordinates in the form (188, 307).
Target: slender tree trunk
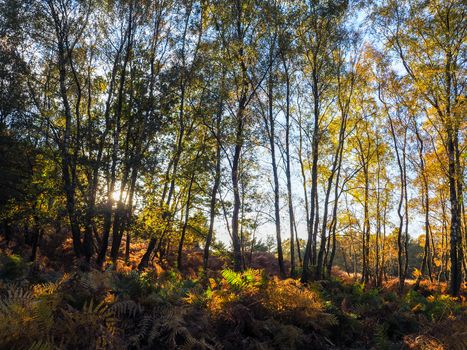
(304, 184)
(185, 223)
(314, 181)
(304, 180)
(334, 213)
(335, 167)
(288, 167)
(236, 192)
(454, 176)
(242, 223)
(215, 188)
(240, 120)
(270, 128)
(129, 211)
(37, 233)
(406, 208)
(147, 254)
(455, 231)
(297, 241)
(366, 227)
(426, 262)
(399, 209)
(383, 246)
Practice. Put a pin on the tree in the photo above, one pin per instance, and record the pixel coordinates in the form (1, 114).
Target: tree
(318, 34)
(239, 33)
(427, 37)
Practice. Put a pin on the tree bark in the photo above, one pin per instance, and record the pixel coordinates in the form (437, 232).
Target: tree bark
(115, 145)
(215, 188)
(314, 180)
(287, 166)
(270, 127)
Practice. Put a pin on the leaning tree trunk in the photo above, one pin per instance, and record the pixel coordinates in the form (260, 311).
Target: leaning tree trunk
(185, 223)
(399, 209)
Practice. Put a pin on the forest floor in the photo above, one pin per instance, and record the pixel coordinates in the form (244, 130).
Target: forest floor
(51, 304)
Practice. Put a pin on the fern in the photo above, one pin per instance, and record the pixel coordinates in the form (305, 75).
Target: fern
(243, 280)
(101, 312)
(143, 327)
(44, 289)
(26, 318)
(16, 295)
(380, 337)
(362, 308)
(42, 345)
(233, 278)
(97, 323)
(290, 300)
(126, 308)
(170, 324)
(329, 320)
(193, 343)
(167, 328)
(286, 336)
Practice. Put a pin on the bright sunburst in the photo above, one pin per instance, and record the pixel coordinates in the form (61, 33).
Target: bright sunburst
(116, 195)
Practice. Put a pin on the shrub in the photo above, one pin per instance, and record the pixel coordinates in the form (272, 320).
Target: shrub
(13, 267)
(133, 284)
(291, 301)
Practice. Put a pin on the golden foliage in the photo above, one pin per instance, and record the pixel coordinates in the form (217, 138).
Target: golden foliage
(424, 342)
(291, 300)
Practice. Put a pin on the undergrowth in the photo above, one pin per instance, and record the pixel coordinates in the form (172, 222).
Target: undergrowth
(248, 310)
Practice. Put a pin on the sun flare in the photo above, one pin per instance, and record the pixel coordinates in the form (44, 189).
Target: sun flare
(117, 194)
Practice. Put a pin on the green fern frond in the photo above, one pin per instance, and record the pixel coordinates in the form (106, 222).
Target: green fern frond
(243, 280)
(233, 278)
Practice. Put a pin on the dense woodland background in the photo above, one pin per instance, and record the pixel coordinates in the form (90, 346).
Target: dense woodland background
(232, 174)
